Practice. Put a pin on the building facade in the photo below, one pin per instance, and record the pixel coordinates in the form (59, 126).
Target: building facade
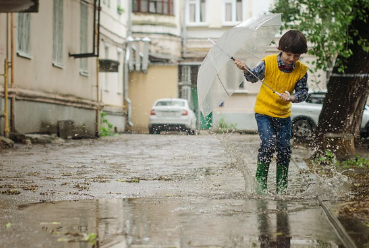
(54, 82)
(115, 58)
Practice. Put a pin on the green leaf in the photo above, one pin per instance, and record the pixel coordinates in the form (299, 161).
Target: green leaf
(91, 238)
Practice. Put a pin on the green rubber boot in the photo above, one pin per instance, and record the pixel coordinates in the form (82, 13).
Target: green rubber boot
(261, 178)
(282, 179)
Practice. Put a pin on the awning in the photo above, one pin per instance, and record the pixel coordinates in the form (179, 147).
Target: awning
(10, 6)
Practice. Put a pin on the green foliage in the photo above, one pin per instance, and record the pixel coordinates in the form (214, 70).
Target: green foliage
(326, 159)
(120, 10)
(225, 127)
(91, 238)
(106, 128)
(326, 24)
(329, 159)
(356, 162)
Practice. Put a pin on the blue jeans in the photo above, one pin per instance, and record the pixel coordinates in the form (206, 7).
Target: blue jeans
(275, 134)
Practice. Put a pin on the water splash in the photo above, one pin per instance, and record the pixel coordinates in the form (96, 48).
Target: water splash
(325, 182)
(240, 160)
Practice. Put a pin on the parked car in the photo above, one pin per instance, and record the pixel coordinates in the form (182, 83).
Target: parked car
(305, 116)
(172, 114)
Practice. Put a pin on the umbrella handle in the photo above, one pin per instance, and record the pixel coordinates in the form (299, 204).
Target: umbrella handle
(288, 93)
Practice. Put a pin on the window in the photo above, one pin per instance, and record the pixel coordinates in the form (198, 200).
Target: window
(186, 92)
(24, 34)
(153, 6)
(106, 82)
(120, 72)
(83, 40)
(186, 75)
(232, 11)
(196, 11)
(58, 32)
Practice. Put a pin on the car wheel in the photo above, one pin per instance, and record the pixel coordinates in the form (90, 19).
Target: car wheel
(302, 128)
(151, 130)
(191, 132)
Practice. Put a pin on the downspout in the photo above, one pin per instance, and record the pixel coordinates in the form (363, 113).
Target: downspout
(126, 69)
(97, 132)
(184, 31)
(6, 66)
(12, 106)
(97, 33)
(5, 114)
(126, 80)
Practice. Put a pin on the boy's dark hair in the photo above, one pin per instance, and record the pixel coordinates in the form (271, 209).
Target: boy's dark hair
(293, 41)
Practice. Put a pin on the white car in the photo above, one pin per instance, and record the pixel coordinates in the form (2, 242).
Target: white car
(172, 114)
(305, 116)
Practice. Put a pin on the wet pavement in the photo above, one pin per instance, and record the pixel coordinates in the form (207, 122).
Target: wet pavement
(168, 190)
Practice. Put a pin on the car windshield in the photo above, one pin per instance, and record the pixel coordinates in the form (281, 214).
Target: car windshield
(171, 103)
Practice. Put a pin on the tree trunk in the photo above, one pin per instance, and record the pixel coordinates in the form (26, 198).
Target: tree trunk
(340, 119)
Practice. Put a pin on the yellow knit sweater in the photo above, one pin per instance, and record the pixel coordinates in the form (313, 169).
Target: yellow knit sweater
(269, 103)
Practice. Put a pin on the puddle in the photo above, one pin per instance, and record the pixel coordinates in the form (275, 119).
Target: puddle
(184, 222)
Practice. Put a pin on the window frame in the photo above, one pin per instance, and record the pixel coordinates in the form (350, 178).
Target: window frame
(120, 71)
(200, 11)
(24, 35)
(186, 74)
(159, 7)
(234, 12)
(58, 25)
(106, 85)
(83, 38)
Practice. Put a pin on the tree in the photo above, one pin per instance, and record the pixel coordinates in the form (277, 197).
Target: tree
(339, 35)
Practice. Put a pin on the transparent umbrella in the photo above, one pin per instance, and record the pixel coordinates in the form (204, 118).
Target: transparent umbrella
(218, 76)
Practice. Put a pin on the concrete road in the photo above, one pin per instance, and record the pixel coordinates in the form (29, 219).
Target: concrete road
(169, 190)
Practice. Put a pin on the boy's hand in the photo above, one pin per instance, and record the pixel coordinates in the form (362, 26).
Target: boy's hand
(241, 65)
(286, 96)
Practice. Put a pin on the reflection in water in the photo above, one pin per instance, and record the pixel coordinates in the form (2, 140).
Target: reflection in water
(185, 222)
(282, 238)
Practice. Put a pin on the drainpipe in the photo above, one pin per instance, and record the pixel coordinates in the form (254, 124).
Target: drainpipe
(97, 132)
(5, 113)
(184, 31)
(12, 106)
(126, 82)
(126, 63)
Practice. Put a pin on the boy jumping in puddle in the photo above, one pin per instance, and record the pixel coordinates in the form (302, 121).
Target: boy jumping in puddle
(284, 73)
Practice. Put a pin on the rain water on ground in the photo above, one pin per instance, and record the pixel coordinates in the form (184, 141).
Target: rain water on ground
(205, 204)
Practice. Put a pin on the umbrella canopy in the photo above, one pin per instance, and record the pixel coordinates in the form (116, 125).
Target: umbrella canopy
(218, 76)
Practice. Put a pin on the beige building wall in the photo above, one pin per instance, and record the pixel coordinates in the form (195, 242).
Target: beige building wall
(38, 72)
(46, 92)
(145, 88)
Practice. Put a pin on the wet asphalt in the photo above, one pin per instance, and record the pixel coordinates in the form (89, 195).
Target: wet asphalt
(168, 190)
